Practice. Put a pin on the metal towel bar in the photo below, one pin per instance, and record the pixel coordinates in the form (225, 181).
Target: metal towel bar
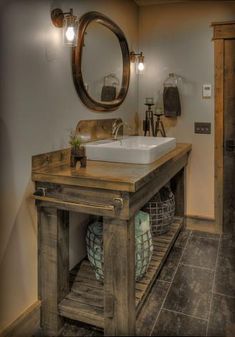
(117, 203)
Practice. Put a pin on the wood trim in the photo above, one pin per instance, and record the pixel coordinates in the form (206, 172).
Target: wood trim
(201, 224)
(26, 324)
(219, 23)
(219, 132)
(224, 31)
(200, 218)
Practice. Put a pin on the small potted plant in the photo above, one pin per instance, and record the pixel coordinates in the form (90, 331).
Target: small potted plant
(77, 150)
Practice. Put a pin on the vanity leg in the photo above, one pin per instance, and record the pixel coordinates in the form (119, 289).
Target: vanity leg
(179, 188)
(119, 277)
(53, 268)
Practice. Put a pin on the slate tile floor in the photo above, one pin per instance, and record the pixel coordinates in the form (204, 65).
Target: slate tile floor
(200, 300)
(194, 294)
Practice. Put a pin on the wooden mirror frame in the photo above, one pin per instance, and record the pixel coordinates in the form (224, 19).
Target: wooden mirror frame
(99, 106)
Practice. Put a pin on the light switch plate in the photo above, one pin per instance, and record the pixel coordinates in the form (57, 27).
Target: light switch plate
(206, 91)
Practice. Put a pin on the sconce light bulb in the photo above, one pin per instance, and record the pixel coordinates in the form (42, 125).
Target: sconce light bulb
(140, 66)
(70, 34)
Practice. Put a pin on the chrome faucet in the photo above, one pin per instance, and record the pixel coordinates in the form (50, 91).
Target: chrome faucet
(116, 126)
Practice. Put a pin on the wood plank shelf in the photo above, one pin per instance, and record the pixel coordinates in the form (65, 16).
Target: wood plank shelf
(85, 302)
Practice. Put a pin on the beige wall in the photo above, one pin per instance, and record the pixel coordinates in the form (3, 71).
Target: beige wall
(39, 105)
(177, 38)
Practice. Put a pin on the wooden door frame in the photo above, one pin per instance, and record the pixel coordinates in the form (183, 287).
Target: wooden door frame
(222, 32)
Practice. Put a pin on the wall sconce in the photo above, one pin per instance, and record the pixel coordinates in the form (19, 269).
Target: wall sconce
(69, 23)
(139, 60)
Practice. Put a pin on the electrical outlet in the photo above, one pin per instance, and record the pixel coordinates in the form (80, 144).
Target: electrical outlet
(202, 128)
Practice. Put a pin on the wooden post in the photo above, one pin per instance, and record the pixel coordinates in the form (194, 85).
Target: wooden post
(224, 50)
(53, 266)
(219, 133)
(119, 277)
(179, 189)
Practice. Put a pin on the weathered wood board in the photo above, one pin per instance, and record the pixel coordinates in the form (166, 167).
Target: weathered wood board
(229, 134)
(115, 191)
(105, 175)
(85, 302)
(224, 51)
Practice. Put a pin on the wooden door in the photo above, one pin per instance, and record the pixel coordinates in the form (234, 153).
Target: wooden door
(224, 36)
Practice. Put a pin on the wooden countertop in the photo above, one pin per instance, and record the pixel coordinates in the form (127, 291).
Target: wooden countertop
(105, 175)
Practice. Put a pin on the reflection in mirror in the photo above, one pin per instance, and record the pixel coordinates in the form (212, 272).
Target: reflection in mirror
(102, 63)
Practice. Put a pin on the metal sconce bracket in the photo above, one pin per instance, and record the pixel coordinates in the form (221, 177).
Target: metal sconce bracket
(57, 16)
(134, 56)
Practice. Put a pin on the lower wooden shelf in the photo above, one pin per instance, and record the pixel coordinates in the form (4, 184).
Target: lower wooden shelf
(85, 302)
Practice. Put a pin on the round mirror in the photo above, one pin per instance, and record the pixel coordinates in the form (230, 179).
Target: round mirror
(101, 63)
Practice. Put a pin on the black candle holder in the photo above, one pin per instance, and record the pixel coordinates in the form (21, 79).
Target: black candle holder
(148, 123)
(159, 127)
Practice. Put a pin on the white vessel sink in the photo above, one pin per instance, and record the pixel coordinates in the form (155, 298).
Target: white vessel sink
(133, 149)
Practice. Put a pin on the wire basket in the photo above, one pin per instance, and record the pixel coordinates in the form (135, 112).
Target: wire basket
(161, 209)
(94, 243)
(143, 246)
(143, 253)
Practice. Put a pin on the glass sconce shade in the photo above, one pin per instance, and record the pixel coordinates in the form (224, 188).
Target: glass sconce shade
(139, 61)
(141, 66)
(70, 30)
(69, 23)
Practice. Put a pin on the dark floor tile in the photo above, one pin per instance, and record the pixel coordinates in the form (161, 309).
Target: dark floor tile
(225, 273)
(171, 264)
(38, 333)
(190, 292)
(205, 235)
(225, 276)
(201, 252)
(182, 238)
(77, 329)
(175, 324)
(222, 318)
(151, 308)
(227, 245)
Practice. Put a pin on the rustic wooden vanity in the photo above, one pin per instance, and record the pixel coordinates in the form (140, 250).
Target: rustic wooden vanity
(115, 191)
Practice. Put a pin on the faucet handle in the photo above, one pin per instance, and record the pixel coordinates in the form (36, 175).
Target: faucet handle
(115, 124)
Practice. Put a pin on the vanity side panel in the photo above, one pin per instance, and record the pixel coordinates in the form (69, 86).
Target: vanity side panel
(165, 174)
(53, 270)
